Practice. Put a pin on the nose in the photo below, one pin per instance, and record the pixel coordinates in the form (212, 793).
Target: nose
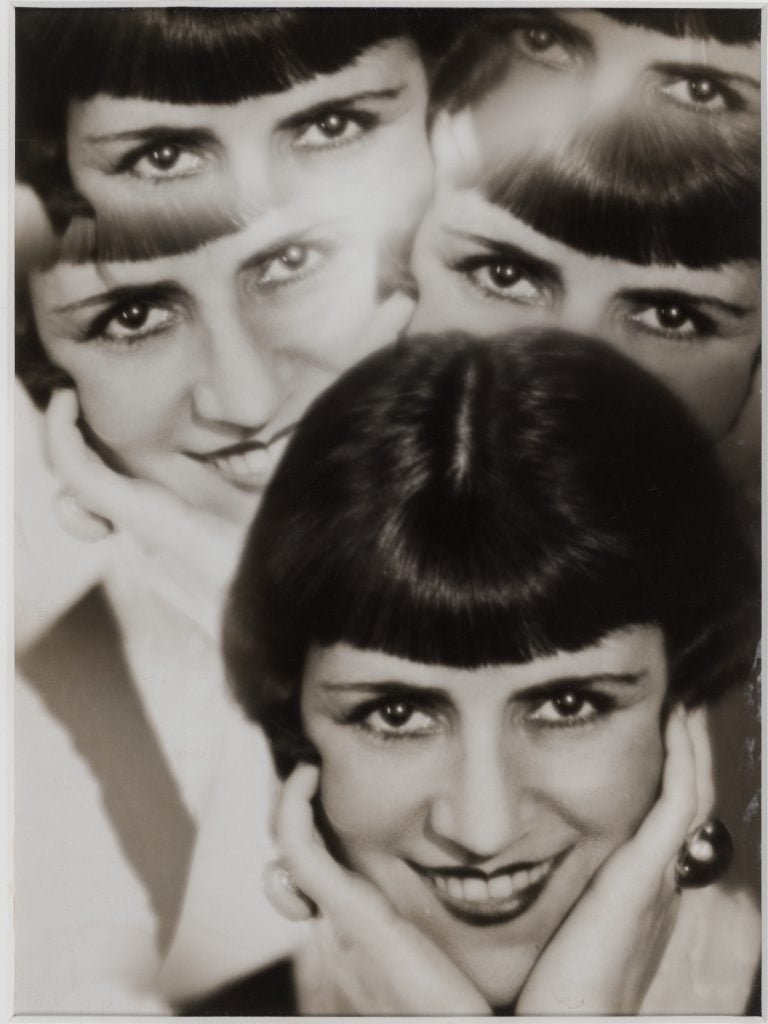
(240, 387)
(478, 809)
(253, 178)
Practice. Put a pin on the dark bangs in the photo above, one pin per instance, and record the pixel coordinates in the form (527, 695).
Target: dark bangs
(464, 503)
(192, 54)
(727, 25)
(628, 191)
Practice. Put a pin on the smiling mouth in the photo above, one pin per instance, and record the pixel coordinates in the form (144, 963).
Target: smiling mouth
(248, 465)
(480, 899)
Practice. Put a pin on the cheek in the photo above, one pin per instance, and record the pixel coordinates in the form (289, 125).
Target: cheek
(372, 806)
(604, 790)
(131, 402)
(713, 384)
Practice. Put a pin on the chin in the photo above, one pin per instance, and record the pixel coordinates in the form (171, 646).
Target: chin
(497, 972)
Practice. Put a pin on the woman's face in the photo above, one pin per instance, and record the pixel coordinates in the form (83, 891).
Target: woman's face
(480, 268)
(481, 802)
(192, 370)
(349, 143)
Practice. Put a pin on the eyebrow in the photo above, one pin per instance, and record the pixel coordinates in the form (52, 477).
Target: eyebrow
(658, 296)
(435, 694)
(704, 71)
(190, 136)
(543, 270)
(157, 289)
(336, 102)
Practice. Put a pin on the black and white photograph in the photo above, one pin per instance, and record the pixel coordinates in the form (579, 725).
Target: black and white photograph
(386, 510)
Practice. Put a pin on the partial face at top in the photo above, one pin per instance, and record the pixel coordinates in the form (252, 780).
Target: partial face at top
(352, 142)
(482, 802)
(480, 268)
(594, 66)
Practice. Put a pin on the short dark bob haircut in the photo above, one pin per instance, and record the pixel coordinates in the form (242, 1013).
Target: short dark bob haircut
(463, 502)
(630, 188)
(189, 55)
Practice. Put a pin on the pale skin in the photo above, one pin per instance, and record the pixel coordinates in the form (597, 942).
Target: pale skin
(196, 547)
(388, 965)
(333, 140)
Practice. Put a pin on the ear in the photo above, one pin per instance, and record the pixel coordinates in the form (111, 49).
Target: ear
(454, 145)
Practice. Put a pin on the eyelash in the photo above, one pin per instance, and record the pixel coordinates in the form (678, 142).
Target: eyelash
(366, 120)
(559, 38)
(733, 101)
(97, 331)
(702, 325)
(128, 162)
(358, 717)
(601, 704)
(466, 266)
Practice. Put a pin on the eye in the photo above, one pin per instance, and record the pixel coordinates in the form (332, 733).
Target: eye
(162, 161)
(570, 707)
(132, 321)
(544, 44)
(292, 263)
(500, 278)
(335, 128)
(675, 320)
(398, 717)
(703, 91)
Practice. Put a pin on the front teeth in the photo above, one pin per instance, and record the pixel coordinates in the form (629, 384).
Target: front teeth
(245, 464)
(500, 887)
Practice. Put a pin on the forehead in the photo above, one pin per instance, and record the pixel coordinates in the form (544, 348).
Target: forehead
(634, 649)
(105, 117)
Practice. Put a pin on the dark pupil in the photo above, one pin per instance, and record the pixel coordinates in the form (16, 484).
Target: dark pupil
(164, 157)
(333, 125)
(134, 316)
(397, 713)
(540, 38)
(505, 274)
(671, 316)
(702, 89)
(569, 703)
(294, 256)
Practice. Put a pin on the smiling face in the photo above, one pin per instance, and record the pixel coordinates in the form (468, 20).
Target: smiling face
(481, 269)
(336, 141)
(482, 802)
(192, 370)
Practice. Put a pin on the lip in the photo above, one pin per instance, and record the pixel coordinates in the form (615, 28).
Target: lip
(247, 465)
(493, 898)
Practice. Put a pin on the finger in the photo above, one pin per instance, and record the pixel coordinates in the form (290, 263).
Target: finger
(343, 896)
(669, 820)
(698, 730)
(78, 521)
(284, 895)
(148, 511)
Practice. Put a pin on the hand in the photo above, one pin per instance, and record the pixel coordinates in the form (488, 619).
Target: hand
(603, 958)
(191, 555)
(381, 963)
